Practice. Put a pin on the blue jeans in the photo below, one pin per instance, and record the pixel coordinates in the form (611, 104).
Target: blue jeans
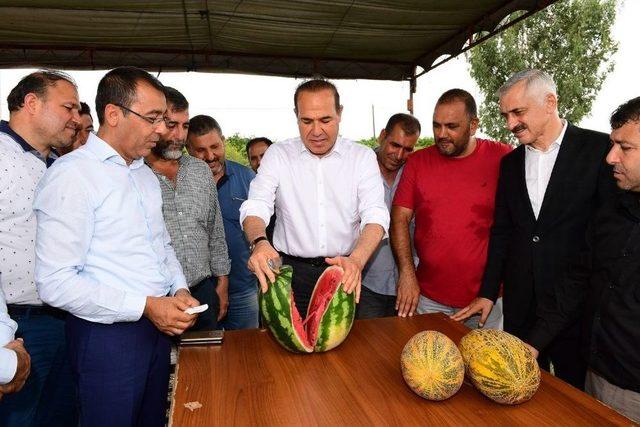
(49, 396)
(494, 321)
(243, 310)
(373, 305)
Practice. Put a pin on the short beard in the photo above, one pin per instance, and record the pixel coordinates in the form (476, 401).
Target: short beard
(171, 154)
(167, 153)
(453, 153)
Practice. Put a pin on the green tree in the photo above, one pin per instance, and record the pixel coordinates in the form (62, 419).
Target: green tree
(571, 40)
(373, 142)
(236, 148)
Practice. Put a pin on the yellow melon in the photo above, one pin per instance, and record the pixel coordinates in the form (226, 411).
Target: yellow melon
(500, 366)
(432, 365)
(476, 339)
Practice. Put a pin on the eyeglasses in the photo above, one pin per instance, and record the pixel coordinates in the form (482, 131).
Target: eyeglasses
(151, 120)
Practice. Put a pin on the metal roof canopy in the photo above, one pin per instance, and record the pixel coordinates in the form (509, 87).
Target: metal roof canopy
(356, 39)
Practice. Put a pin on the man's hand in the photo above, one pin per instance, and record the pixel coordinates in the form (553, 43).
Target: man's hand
(222, 289)
(262, 253)
(186, 297)
(478, 305)
(352, 279)
(533, 351)
(167, 313)
(408, 294)
(22, 370)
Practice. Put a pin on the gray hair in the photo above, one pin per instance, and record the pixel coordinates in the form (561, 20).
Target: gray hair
(536, 81)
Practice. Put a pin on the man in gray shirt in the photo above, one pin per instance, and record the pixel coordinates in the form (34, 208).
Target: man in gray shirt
(379, 277)
(192, 213)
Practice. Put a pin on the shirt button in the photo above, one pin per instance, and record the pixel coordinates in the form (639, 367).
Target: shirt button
(535, 239)
(184, 235)
(179, 213)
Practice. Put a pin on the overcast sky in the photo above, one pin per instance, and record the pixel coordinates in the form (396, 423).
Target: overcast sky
(263, 106)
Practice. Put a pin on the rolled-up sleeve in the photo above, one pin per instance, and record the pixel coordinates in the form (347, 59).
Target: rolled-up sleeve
(65, 229)
(371, 206)
(262, 190)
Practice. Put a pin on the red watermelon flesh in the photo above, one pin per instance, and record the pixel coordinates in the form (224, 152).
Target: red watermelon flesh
(323, 292)
(298, 324)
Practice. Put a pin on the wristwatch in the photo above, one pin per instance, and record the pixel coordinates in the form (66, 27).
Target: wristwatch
(255, 241)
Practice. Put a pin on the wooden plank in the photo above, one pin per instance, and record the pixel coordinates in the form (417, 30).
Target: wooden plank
(251, 380)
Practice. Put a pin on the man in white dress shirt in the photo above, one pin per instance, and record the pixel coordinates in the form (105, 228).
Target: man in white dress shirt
(103, 254)
(327, 194)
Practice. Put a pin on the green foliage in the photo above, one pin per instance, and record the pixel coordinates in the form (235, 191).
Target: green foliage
(571, 40)
(373, 142)
(232, 153)
(424, 142)
(235, 148)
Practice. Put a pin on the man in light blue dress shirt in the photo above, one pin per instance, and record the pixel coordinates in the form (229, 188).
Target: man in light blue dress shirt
(103, 254)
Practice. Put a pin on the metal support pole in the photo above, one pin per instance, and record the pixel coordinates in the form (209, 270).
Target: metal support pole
(413, 83)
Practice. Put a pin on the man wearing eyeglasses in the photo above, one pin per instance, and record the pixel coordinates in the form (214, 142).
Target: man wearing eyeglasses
(103, 254)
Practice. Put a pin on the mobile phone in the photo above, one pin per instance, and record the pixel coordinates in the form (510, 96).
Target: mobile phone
(214, 337)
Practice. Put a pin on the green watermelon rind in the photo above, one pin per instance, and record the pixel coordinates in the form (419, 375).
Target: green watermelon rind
(337, 321)
(276, 309)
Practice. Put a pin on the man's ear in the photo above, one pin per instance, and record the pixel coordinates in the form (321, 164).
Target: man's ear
(382, 136)
(112, 115)
(31, 103)
(551, 101)
(473, 127)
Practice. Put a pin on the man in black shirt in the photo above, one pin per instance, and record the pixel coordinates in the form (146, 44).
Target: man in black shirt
(608, 277)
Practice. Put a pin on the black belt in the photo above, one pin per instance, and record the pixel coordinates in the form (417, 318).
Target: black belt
(316, 262)
(35, 310)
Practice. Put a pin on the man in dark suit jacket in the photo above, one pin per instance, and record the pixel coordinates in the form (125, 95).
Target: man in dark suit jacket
(547, 191)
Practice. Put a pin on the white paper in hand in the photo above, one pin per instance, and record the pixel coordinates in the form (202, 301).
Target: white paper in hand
(197, 309)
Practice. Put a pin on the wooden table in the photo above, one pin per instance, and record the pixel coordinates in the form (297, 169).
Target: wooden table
(251, 380)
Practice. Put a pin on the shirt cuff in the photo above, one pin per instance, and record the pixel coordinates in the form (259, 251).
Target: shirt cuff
(180, 283)
(132, 308)
(8, 365)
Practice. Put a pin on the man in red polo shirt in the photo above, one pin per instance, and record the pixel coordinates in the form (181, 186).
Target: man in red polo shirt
(450, 189)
